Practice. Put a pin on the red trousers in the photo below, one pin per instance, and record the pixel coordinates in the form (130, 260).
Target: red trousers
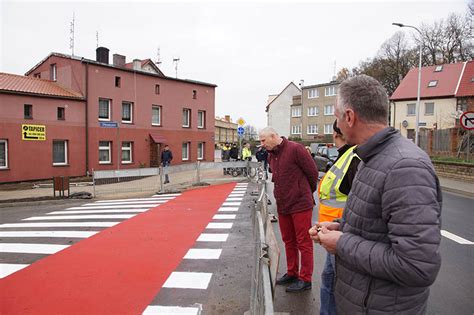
(294, 232)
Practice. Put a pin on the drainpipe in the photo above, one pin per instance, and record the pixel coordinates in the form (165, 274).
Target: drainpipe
(87, 118)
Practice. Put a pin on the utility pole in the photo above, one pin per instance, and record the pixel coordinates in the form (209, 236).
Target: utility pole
(175, 61)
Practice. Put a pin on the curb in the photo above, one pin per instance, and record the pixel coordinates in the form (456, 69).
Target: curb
(457, 191)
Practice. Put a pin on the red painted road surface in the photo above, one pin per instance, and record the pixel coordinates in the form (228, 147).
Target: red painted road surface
(119, 270)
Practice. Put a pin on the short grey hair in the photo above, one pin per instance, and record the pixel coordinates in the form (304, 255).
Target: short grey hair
(366, 97)
(268, 131)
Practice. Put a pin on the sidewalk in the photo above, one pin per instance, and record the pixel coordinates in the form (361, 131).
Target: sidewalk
(457, 186)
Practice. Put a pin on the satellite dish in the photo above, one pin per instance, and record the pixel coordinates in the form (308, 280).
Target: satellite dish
(405, 124)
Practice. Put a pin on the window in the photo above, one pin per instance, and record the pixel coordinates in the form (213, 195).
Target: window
(104, 152)
(28, 111)
(411, 109)
(61, 113)
(186, 117)
(195, 94)
(312, 129)
(53, 73)
(157, 89)
(313, 93)
(156, 115)
(296, 111)
(433, 83)
(127, 112)
(313, 111)
(117, 81)
(185, 151)
(3, 153)
(127, 152)
(328, 129)
(328, 110)
(104, 109)
(37, 75)
(200, 155)
(201, 119)
(330, 91)
(439, 68)
(429, 108)
(59, 152)
(296, 129)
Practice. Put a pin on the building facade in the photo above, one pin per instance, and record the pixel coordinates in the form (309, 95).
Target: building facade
(225, 131)
(279, 109)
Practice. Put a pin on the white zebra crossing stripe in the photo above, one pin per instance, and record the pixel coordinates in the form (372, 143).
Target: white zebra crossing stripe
(228, 209)
(8, 269)
(71, 234)
(231, 204)
(235, 195)
(188, 280)
(221, 226)
(135, 199)
(58, 224)
(31, 248)
(98, 211)
(136, 203)
(234, 199)
(171, 310)
(203, 253)
(210, 237)
(81, 217)
(224, 217)
(167, 195)
(456, 238)
(114, 207)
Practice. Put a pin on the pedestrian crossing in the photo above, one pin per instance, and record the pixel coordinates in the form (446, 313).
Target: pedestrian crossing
(23, 243)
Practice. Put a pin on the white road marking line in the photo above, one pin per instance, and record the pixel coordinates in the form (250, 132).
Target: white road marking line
(171, 310)
(234, 199)
(8, 269)
(81, 217)
(203, 253)
(239, 190)
(210, 237)
(72, 234)
(231, 204)
(456, 238)
(167, 195)
(224, 217)
(31, 248)
(228, 209)
(188, 280)
(58, 224)
(135, 199)
(220, 226)
(98, 211)
(137, 203)
(114, 207)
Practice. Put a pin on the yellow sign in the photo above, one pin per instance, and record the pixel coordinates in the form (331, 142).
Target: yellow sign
(241, 121)
(33, 132)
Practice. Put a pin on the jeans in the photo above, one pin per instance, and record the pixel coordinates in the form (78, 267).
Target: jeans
(166, 164)
(328, 302)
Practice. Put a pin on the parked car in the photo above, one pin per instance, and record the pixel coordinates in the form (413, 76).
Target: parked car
(325, 158)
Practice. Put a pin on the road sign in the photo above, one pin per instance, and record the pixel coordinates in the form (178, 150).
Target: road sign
(240, 131)
(241, 121)
(108, 124)
(33, 132)
(422, 124)
(467, 120)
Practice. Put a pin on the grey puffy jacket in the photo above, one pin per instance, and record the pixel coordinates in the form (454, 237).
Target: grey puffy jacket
(388, 255)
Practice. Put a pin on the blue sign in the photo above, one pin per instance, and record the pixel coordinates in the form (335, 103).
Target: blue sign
(240, 131)
(108, 124)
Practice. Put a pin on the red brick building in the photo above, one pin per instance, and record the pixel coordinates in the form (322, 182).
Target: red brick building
(100, 116)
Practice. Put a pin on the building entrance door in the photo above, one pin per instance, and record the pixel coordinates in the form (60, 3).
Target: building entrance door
(155, 154)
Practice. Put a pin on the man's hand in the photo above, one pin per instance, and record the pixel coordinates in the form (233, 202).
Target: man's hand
(328, 239)
(313, 232)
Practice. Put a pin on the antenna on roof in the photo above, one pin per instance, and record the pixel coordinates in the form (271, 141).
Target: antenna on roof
(175, 61)
(158, 56)
(71, 31)
(334, 74)
(96, 39)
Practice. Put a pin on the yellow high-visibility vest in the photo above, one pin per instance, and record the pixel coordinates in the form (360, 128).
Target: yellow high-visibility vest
(331, 199)
(246, 153)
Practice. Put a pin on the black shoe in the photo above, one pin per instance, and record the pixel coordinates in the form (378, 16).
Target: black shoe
(299, 286)
(286, 279)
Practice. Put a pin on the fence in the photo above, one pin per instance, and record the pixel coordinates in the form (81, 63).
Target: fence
(453, 142)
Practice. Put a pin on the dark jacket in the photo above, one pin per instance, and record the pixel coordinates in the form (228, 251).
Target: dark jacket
(166, 157)
(388, 255)
(348, 178)
(234, 153)
(295, 176)
(261, 155)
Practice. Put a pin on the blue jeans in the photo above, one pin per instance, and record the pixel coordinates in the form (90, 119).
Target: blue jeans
(328, 302)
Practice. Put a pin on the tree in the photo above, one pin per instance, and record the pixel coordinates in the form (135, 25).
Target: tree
(250, 133)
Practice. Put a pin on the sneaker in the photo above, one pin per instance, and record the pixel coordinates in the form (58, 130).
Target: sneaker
(286, 279)
(299, 286)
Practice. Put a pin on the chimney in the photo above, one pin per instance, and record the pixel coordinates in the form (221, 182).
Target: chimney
(137, 64)
(119, 60)
(102, 55)
(227, 118)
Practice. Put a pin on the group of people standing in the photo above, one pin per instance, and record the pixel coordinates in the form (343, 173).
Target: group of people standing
(379, 210)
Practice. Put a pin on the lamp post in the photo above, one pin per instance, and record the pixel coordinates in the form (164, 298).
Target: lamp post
(301, 85)
(417, 109)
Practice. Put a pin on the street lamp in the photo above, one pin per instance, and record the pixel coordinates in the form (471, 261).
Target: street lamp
(301, 85)
(417, 121)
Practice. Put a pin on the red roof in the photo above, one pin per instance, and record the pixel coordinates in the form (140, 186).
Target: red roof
(18, 83)
(447, 81)
(466, 86)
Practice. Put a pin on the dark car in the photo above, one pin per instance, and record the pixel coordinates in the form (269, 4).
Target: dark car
(325, 158)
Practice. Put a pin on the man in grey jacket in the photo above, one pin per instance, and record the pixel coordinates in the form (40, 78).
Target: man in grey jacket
(387, 245)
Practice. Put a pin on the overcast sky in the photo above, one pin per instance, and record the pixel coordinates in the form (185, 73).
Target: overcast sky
(249, 49)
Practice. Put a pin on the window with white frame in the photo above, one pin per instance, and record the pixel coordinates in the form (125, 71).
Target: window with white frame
(104, 109)
(330, 91)
(313, 93)
(429, 109)
(439, 68)
(127, 112)
(127, 152)
(3, 153)
(328, 129)
(105, 155)
(53, 72)
(200, 153)
(201, 119)
(156, 115)
(411, 109)
(59, 152)
(185, 151)
(186, 117)
(328, 110)
(296, 129)
(313, 111)
(312, 129)
(433, 83)
(296, 111)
